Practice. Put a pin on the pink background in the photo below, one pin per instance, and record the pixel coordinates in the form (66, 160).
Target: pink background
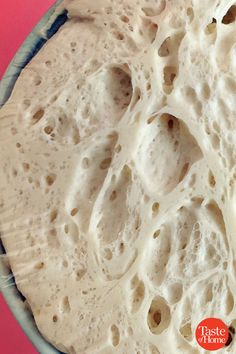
(17, 18)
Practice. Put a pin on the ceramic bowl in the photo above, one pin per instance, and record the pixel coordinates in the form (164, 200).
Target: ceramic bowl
(45, 29)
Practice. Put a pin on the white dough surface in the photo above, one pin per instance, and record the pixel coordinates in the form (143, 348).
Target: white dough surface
(118, 176)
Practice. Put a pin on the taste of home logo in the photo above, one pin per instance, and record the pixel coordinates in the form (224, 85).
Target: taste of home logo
(213, 334)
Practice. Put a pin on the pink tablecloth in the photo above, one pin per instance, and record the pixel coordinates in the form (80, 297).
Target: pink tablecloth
(17, 18)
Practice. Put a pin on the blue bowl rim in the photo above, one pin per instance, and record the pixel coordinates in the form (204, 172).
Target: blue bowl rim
(44, 30)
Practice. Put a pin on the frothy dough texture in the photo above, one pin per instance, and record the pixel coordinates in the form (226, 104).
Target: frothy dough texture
(118, 150)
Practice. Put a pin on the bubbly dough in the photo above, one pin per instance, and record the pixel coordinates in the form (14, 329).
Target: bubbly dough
(118, 151)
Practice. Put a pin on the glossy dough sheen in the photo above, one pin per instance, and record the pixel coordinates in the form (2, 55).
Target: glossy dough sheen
(118, 173)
